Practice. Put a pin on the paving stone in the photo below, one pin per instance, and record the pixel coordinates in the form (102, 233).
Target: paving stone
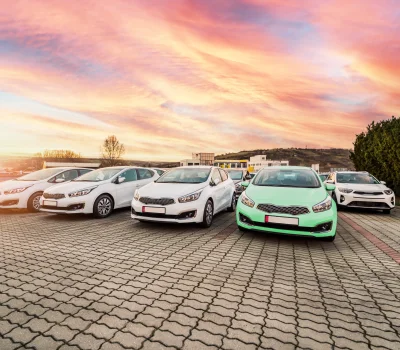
(139, 329)
(87, 342)
(197, 345)
(21, 335)
(101, 331)
(43, 342)
(168, 339)
(39, 325)
(128, 340)
(8, 344)
(206, 337)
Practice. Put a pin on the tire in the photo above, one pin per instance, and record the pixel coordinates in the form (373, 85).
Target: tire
(386, 211)
(34, 202)
(103, 206)
(208, 214)
(329, 238)
(232, 207)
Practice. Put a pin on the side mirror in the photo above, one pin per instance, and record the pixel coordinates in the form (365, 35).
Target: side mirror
(120, 179)
(330, 187)
(245, 184)
(248, 177)
(330, 182)
(59, 180)
(216, 182)
(383, 182)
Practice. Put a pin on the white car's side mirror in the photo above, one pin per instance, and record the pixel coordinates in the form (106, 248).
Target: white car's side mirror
(59, 180)
(383, 182)
(121, 179)
(216, 181)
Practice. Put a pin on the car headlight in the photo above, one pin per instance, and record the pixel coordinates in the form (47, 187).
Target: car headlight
(247, 201)
(83, 192)
(16, 190)
(345, 190)
(388, 192)
(238, 186)
(136, 195)
(190, 197)
(323, 206)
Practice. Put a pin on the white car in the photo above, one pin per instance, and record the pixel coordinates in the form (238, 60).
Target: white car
(98, 192)
(25, 191)
(185, 194)
(361, 190)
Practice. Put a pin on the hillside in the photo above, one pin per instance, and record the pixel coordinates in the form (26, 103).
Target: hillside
(327, 158)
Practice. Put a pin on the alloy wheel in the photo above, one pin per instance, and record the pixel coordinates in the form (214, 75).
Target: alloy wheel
(36, 203)
(209, 213)
(233, 205)
(104, 206)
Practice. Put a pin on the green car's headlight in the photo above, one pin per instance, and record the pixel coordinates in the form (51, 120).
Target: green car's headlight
(247, 201)
(323, 206)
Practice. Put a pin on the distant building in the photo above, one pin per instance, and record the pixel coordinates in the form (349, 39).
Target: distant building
(70, 164)
(198, 159)
(260, 161)
(231, 163)
(315, 167)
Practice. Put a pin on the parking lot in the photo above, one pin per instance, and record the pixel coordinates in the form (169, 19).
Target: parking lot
(79, 283)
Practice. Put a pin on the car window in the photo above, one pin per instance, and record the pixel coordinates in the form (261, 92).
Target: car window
(185, 175)
(356, 178)
(160, 172)
(129, 175)
(224, 176)
(145, 174)
(84, 171)
(216, 175)
(66, 175)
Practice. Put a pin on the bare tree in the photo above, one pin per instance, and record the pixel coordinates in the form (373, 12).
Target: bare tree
(60, 154)
(112, 151)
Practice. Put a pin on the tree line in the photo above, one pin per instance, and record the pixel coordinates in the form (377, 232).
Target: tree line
(378, 151)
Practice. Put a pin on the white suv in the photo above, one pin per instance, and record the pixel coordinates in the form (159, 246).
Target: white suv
(359, 189)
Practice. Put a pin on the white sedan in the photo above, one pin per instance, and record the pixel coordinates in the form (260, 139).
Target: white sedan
(185, 194)
(25, 191)
(361, 190)
(98, 192)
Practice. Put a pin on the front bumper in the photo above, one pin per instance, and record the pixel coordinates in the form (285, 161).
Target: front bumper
(191, 212)
(310, 225)
(379, 202)
(13, 201)
(66, 206)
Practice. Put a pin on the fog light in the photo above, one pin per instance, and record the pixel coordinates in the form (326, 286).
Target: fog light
(342, 199)
(325, 227)
(392, 200)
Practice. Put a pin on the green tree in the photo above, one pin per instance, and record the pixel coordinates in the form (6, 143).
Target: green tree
(378, 151)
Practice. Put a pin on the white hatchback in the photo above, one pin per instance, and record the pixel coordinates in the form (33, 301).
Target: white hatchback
(25, 191)
(359, 189)
(98, 192)
(185, 194)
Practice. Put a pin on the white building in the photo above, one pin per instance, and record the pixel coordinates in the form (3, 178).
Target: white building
(315, 167)
(199, 159)
(260, 161)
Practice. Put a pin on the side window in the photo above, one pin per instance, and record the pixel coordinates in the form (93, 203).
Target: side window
(66, 175)
(216, 175)
(224, 176)
(145, 174)
(129, 175)
(84, 171)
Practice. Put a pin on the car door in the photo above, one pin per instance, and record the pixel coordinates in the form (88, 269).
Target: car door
(227, 183)
(218, 190)
(126, 189)
(145, 176)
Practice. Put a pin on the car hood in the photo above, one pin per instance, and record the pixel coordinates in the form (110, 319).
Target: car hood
(67, 187)
(11, 184)
(286, 196)
(169, 190)
(363, 187)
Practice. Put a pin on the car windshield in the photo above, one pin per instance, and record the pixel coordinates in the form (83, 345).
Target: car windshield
(356, 178)
(323, 177)
(301, 178)
(99, 175)
(40, 175)
(236, 175)
(185, 175)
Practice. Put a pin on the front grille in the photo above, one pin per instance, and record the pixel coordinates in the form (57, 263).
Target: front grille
(362, 204)
(157, 201)
(368, 193)
(53, 195)
(292, 210)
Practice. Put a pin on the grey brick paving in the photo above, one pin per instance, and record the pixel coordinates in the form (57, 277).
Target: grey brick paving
(79, 283)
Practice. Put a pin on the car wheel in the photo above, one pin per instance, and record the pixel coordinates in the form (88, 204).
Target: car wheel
(34, 202)
(386, 211)
(103, 206)
(208, 215)
(232, 207)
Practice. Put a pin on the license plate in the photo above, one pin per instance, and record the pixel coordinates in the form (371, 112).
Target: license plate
(50, 203)
(281, 220)
(153, 210)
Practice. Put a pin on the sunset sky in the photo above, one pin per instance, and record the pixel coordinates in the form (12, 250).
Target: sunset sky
(169, 78)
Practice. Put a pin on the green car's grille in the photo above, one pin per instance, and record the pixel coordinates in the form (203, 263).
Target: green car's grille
(292, 210)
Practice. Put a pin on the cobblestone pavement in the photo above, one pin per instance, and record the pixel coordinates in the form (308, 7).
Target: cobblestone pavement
(81, 283)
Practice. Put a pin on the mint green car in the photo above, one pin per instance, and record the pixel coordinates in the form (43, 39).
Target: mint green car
(288, 200)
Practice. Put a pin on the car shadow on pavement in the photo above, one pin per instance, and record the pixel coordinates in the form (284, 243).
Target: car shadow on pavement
(83, 217)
